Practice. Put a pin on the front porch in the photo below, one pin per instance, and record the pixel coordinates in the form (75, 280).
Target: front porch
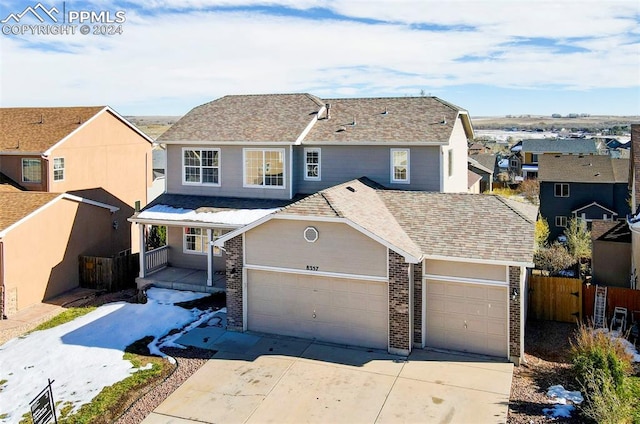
(184, 279)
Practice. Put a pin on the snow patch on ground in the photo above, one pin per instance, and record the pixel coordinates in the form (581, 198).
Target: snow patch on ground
(628, 346)
(561, 397)
(231, 217)
(85, 355)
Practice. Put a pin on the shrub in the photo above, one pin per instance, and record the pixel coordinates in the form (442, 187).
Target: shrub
(602, 366)
(553, 259)
(530, 189)
(602, 402)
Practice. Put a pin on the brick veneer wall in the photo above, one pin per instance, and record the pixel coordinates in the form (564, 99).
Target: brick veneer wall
(514, 313)
(234, 263)
(417, 304)
(399, 326)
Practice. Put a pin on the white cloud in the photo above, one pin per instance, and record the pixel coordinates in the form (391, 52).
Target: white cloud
(202, 54)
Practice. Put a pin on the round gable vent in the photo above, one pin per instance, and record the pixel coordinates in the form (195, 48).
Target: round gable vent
(311, 234)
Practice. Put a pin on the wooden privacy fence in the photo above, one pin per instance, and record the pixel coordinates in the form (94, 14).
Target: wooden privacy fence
(109, 273)
(616, 296)
(555, 298)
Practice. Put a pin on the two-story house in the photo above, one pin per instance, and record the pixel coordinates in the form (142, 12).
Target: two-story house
(530, 150)
(74, 175)
(238, 158)
(344, 220)
(586, 187)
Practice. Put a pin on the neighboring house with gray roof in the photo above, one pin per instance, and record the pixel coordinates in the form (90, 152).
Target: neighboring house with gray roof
(362, 265)
(484, 172)
(532, 149)
(591, 187)
(280, 146)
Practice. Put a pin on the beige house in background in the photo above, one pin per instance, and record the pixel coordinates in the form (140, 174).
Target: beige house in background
(103, 165)
(92, 152)
(41, 236)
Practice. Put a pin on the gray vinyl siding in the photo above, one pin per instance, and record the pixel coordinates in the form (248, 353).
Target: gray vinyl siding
(339, 164)
(177, 257)
(231, 173)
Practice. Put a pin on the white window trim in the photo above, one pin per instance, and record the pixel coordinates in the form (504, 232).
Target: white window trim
(216, 233)
(270, 187)
(392, 176)
(566, 221)
(450, 170)
(203, 234)
(184, 175)
(561, 184)
(22, 170)
(62, 169)
(306, 176)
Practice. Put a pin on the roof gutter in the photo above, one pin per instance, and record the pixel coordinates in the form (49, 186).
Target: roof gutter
(168, 223)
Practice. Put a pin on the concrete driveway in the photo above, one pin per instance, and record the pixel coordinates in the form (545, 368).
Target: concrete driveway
(256, 379)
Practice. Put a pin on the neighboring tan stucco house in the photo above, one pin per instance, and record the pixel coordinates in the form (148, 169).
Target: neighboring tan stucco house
(239, 158)
(92, 152)
(41, 237)
(362, 265)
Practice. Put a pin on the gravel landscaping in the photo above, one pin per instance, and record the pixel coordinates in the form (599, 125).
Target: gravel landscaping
(547, 363)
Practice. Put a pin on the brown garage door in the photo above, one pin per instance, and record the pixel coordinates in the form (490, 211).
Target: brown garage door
(335, 310)
(466, 317)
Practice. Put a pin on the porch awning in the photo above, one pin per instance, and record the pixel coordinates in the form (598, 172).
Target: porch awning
(230, 218)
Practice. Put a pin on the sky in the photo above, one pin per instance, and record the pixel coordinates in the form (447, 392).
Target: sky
(87, 352)
(491, 57)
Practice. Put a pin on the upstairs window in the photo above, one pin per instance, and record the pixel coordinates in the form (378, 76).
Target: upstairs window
(561, 190)
(201, 166)
(264, 168)
(31, 171)
(534, 158)
(312, 164)
(58, 169)
(400, 165)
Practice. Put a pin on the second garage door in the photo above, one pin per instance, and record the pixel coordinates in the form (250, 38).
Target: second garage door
(466, 317)
(337, 310)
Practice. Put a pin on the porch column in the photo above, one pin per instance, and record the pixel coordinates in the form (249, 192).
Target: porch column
(209, 259)
(143, 262)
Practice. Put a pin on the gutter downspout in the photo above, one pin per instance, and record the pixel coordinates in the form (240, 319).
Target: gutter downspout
(2, 288)
(45, 172)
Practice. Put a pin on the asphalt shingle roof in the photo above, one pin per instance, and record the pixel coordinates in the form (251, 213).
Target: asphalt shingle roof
(488, 160)
(38, 129)
(583, 169)
(559, 145)
(284, 118)
(429, 223)
(392, 119)
(8, 185)
(261, 117)
(17, 204)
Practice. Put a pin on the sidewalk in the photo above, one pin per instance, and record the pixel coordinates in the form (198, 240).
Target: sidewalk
(32, 316)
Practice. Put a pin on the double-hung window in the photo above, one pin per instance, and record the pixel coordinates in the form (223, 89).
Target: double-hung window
(264, 168)
(312, 164)
(31, 171)
(561, 190)
(195, 240)
(561, 221)
(58, 169)
(400, 166)
(201, 166)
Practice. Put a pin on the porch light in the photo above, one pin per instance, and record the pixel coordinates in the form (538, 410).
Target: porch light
(514, 294)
